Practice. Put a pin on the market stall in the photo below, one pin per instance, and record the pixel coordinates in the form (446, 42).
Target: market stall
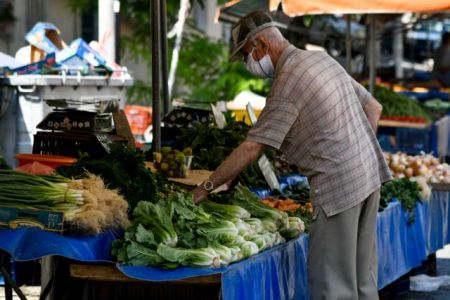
(401, 247)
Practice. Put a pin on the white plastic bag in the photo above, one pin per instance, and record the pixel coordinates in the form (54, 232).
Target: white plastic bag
(425, 283)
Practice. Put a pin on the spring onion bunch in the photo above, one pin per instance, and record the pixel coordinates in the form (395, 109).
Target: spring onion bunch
(29, 191)
(87, 205)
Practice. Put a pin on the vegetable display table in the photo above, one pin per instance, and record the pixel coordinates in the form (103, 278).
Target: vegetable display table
(277, 273)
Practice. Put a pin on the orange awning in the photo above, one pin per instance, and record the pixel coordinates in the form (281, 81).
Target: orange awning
(302, 7)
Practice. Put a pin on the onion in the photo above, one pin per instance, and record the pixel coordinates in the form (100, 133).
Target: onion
(409, 172)
(401, 168)
(434, 162)
(423, 170)
(395, 159)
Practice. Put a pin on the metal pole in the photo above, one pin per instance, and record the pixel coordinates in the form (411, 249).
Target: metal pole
(348, 45)
(117, 33)
(398, 48)
(165, 87)
(156, 115)
(106, 27)
(372, 60)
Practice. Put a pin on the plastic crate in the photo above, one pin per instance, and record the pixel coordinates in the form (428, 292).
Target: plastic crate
(52, 161)
(52, 143)
(139, 118)
(413, 141)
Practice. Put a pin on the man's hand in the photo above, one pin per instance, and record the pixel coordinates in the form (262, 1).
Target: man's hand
(373, 112)
(199, 194)
(238, 160)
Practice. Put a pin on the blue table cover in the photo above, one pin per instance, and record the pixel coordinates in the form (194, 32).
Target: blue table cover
(277, 273)
(280, 273)
(285, 182)
(423, 96)
(33, 243)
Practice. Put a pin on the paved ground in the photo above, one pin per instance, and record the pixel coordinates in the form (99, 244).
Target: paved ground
(443, 268)
(31, 292)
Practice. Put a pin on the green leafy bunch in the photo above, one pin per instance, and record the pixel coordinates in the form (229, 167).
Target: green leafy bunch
(123, 169)
(212, 145)
(405, 191)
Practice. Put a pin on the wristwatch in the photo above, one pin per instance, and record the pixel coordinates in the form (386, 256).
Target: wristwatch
(208, 185)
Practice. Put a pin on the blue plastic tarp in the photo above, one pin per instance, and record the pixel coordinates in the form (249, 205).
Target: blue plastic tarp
(281, 274)
(437, 229)
(285, 182)
(33, 243)
(401, 246)
(432, 94)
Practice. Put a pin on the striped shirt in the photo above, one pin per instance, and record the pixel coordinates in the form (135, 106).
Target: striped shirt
(314, 114)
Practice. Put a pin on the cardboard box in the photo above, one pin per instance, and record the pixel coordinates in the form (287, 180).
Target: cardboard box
(39, 67)
(45, 39)
(80, 54)
(12, 217)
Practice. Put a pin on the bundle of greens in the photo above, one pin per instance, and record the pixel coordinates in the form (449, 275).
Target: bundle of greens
(404, 190)
(395, 104)
(211, 146)
(123, 169)
(87, 205)
(175, 232)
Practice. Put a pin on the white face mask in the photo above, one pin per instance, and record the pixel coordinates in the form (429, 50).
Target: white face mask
(262, 68)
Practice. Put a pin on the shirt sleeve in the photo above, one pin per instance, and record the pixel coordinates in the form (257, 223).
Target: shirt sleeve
(363, 95)
(274, 123)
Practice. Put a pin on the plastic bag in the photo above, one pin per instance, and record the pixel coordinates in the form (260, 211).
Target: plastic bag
(425, 283)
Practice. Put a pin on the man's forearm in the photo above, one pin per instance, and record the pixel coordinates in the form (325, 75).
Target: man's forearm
(373, 111)
(238, 160)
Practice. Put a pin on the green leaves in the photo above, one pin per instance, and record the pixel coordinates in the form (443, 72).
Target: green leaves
(395, 104)
(139, 255)
(124, 169)
(174, 231)
(405, 191)
(211, 146)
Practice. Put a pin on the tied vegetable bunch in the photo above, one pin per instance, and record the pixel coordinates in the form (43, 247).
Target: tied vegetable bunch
(87, 205)
(175, 232)
(122, 169)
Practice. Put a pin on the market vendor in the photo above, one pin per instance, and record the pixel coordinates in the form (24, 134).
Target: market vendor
(441, 66)
(324, 122)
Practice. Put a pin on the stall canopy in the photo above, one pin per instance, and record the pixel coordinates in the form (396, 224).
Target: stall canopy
(296, 7)
(301, 7)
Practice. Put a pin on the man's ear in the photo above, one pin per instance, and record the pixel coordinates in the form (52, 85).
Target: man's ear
(264, 43)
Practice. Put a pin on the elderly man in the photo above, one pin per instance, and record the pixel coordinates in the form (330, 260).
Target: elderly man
(324, 122)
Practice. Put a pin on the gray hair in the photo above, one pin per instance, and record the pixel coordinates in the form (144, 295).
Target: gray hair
(273, 34)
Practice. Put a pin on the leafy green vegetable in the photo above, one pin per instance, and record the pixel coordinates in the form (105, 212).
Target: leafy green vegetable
(248, 248)
(174, 231)
(159, 219)
(124, 169)
(202, 257)
(405, 191)
(248, 200)
(211, 146)
(224, 210)
(395, 104)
